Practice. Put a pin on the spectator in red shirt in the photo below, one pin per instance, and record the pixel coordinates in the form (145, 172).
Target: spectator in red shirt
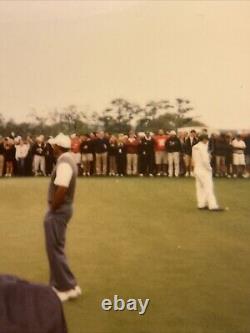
(160, 153)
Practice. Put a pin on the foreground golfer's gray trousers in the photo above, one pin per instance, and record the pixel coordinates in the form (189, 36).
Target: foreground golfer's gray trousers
(55, 225)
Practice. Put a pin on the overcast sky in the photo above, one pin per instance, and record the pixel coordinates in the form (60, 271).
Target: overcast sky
(53, 54)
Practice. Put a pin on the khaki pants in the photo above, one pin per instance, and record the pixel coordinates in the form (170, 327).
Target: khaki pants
(101, 163)
(174, 162)
(39, 161)
(132, 162)
(188, 163)
(1, 165)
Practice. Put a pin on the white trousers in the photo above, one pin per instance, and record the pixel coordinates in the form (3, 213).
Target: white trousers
(205, 190)
(39, 161)
(174, 163)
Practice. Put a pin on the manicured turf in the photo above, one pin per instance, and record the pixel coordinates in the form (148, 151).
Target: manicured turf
(140, 238)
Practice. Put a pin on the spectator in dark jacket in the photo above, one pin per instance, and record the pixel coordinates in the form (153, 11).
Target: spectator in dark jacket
(87, 151)
(220, 150)
(49, 158)
(101, 153)
(121, 156)
(9, 156)
(247, 154)
(1, 156)
(173, 147)
(146, 155)
(29, 158)
(189, 142)
(112, 151)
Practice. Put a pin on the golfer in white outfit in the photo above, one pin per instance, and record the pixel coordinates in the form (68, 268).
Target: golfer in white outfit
(203, 176)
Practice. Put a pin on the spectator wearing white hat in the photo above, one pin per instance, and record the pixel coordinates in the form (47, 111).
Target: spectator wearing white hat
(39, 156)
(173, 148)
(60, 201)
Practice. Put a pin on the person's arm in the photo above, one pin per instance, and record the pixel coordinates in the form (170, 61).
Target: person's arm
(17, 155)
(59, 197)
(26, 151)
(205, 159)
(63, 177)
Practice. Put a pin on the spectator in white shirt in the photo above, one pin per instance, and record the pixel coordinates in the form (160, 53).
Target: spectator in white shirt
(22, 150)
(239, 163)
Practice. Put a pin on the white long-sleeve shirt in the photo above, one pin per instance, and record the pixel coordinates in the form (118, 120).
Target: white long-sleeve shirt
(238, 146)
(201, 157)
(22, 151)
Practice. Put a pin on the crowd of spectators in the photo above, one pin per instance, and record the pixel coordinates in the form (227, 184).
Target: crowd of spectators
(144, 154)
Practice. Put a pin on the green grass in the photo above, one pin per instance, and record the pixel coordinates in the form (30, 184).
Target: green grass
(140, 238)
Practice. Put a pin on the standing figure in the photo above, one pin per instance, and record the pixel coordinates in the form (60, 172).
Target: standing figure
(60, 199)
(87, 154)
(121, 156)
(173, 148)
(146, 156)
(132, 144)
(39, 156)
(112, 151)
(239, 162)
(203, 176)
(161, 157)
(9, 156)
(2, 151)
(189, 142)
(22, 150)
(101, 154)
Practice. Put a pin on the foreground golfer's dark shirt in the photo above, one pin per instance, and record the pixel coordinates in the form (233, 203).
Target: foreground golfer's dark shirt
(29, 308)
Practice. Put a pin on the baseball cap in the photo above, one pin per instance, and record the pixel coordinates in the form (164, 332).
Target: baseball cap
(61, 140)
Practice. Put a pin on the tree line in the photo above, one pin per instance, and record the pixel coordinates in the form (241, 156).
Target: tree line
(120, 116)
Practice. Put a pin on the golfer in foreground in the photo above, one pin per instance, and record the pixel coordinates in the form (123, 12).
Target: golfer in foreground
(60, 200)
(203, 176)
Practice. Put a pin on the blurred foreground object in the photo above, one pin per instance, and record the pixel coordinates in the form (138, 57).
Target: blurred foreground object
(29, 308)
